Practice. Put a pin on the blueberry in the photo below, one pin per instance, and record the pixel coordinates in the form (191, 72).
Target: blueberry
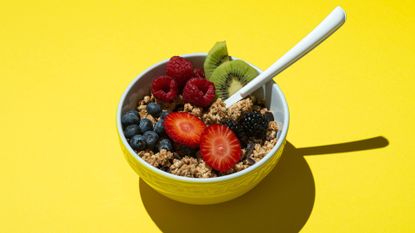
(151, 138)
(145, 125)
(159, 127)
(138, 142)
(163, 114)
(130, 117)
(165, 143)
(131, 130)
(154, 109)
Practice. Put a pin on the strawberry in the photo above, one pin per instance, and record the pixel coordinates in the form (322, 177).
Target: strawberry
(184, 128)
(219, 147)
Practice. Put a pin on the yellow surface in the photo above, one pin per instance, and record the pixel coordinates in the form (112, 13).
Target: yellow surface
(63, 67)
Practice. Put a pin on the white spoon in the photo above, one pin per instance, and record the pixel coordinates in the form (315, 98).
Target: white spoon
(329, 25)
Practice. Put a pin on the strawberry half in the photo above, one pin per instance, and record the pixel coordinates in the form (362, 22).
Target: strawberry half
(184, 128)
(219, 147)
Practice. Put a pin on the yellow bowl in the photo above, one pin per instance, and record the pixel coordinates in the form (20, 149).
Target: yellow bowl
(202, 190)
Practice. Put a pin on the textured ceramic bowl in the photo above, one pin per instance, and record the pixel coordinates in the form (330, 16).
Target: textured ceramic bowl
(201, 190)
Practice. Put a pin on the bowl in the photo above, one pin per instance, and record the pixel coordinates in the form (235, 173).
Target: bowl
(202, 190)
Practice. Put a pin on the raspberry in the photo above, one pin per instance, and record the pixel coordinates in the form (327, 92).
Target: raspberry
(199, 92)
(180, 69)
(198, 73)
(164, 88)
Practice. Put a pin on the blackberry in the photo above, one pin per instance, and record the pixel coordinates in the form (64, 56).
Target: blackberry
(238, 130)
(254, 124)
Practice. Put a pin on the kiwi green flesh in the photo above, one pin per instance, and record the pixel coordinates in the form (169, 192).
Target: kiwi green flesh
(216, 56)
(231, 76)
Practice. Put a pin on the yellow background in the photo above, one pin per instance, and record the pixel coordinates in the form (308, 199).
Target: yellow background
(64, 66)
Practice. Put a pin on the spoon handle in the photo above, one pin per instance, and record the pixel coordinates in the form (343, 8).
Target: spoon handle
(329, 25)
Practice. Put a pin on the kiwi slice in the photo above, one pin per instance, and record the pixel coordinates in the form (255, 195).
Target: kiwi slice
(231, 76)
(216, 56)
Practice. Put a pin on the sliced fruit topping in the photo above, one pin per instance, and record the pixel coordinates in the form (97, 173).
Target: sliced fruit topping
(231, 76)
(198, 73)
(164, 88)
(217, 55)
(219, 147)
(199, 92)
(184, 128)
(180, 69)
(254, 124)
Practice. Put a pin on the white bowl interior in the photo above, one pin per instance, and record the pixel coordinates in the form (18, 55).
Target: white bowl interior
(140, 87)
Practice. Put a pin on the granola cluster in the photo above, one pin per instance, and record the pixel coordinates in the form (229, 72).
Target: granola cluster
(191, 167)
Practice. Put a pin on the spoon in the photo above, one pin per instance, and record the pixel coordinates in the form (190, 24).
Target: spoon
(327, 27)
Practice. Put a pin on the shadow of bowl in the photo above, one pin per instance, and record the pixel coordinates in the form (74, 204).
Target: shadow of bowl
(282, 202)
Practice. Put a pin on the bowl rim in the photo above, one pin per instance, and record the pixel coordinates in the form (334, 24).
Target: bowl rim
(231, 176)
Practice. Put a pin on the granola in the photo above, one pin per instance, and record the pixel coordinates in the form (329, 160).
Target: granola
(193, 165)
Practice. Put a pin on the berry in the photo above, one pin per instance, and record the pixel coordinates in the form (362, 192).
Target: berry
(219, 147)
(154, 109)
(151, 138)
(269, 116)
(199, 92)
(131, 130)
(130, 117)
(165, 144)
(145, 125)
(163, 114)
(237, 129)
(198, 73)
(138, 142)
(180, 69)
(164, 88)
(184, 128)
(254, 124)
(159, 127)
